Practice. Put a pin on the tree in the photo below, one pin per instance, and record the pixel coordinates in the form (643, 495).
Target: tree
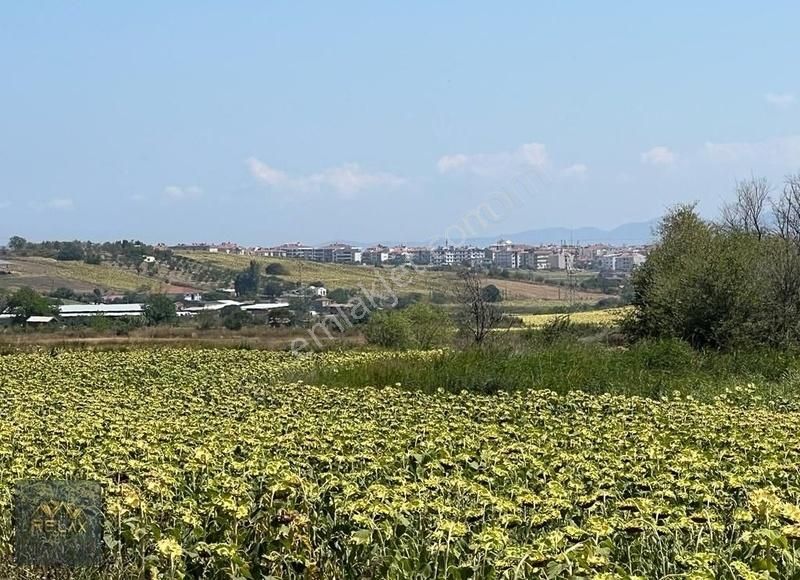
(277, 269)
(246, 283)
(389, 329)
(430, 325)
(476, 317)
(273, 287)
(233, 317)
(159, 309)
(70, 252)
(17, 243)
(339, 295)
(491, 293)
(701, 284)
(26, 302)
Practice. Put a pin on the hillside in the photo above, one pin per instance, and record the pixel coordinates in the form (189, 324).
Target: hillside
(352, 276)
(46, 274)
(333, 275)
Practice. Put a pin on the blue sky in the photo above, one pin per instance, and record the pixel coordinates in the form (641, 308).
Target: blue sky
(263, 122)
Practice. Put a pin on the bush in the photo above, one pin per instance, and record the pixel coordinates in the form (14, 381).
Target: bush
(430, 326)
(276, 269)
(389, 329)
(234, 318)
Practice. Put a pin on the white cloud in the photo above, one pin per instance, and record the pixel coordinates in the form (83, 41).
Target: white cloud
(658, 155)
(180, 192)
(780, 100)
(526, 157)
(781, 151)
(347, 180)
(576, 170)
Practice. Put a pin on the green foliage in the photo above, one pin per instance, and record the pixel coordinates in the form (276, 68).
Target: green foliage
(491, 293)
(206, 320)
(63, 293)
(666, 355)
(234, 318)
(214, 295)
(388, 328)
(17, 243)
(247, 282)
(276, 269)
(70, 252)
(430, 326)
(274, 287)
(26, 302)
(701, 284)
(159, 309)
(339, 295)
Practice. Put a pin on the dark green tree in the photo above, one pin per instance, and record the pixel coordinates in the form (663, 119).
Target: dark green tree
(491, 293)
(70, 252)
(17, 243)
(234, 318)
(246, 283)
(159, 309)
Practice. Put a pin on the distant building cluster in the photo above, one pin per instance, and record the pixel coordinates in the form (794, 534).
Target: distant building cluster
(503, 254)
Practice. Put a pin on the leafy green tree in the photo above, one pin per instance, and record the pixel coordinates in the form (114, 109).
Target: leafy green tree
(389, 328)
(491, 293)
(70, 252)
(26, 302)
(273, 287)
(233, 317)
(159, 309)
(17, 243)
(701, 284)
(430, 325)
(246, 283)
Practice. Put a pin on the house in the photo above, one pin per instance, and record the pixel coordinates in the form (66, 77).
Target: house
(318, 291)
(192, 297)
(5, 267)
(149, 260)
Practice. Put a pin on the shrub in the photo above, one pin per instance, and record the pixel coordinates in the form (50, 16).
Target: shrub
(276, 269)
(389, 329)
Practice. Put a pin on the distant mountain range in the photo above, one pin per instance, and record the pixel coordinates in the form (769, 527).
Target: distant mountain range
(633, 233)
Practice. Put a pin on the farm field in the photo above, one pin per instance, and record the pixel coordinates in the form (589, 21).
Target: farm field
(333, 275)
(46, 274)
(221, 463)
(606, 317)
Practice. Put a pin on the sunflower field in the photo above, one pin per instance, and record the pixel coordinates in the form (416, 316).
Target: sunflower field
(606, 317)
(219, 464)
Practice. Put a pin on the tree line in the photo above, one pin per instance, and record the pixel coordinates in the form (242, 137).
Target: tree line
(728, 283)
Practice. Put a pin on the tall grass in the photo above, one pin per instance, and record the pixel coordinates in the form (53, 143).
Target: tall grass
(648, 369)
